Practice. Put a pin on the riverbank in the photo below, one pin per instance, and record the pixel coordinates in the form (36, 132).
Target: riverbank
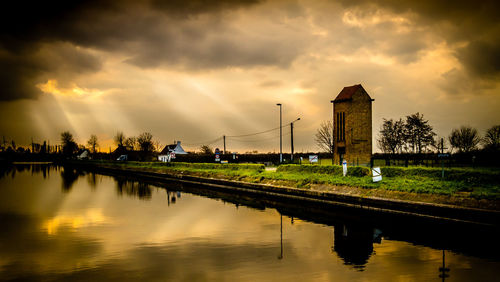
(255, 179)
(463, 187)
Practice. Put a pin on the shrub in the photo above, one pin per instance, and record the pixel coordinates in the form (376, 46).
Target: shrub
(452, 174)
(254, 167)
(324, 169)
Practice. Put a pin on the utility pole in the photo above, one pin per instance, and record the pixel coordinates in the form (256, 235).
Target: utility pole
(291, 141)
(281, 134)
(333, 131)
(224, 137)
(442, 156)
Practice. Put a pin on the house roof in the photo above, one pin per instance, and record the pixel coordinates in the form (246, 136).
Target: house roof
(168, 149)
(348, 91)
(176, 148)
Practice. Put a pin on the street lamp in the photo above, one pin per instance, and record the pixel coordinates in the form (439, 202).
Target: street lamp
(291, 133)
(333, 131)
(281, 135)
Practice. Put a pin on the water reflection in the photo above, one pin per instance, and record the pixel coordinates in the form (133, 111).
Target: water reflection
(140, 190)
(92, 179)
(187, 232)
(354, 244)
(281, 237)
(444, 271)
(69, 176)
(11, 170)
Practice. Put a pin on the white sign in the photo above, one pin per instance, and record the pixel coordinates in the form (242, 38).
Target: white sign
(377, 174)
(344, 167)
(217, 158)
(313, 158)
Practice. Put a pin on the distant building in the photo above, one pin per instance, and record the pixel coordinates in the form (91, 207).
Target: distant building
(170, 151)
(85, 155)
(352, 126)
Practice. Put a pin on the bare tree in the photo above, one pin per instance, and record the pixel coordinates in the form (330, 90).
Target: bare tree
(119, 139)
(492, 139)
(92, 142)
(206, 150)
(157, 145)
(323, 136)
(465, 139)
(130, 143)
(392, 136)
(145, 142)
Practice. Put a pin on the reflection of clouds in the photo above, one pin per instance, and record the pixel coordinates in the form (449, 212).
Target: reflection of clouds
(91, 234)
(91, 217)
(26, 253)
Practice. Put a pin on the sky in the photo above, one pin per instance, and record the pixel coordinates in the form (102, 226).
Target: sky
(197, 70)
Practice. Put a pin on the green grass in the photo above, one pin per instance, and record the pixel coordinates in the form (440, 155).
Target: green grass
(476, 183)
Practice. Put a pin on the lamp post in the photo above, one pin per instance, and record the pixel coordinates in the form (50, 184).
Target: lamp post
(333, 131)
(291, 133)
(281, 135)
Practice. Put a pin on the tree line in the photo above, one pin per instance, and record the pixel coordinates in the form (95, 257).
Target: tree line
(414, 134)
(143, 142)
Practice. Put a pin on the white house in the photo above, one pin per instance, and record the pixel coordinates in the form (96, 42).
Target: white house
(168, 153)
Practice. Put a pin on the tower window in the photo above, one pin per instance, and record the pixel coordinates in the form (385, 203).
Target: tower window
(340, 126)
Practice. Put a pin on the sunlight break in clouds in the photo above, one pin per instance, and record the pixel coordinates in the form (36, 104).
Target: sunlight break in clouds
(51, 87)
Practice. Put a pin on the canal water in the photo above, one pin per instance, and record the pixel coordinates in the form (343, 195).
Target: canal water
(62, 224)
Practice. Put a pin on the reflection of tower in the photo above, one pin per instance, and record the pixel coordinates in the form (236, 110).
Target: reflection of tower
(444, 270)
(354, 244)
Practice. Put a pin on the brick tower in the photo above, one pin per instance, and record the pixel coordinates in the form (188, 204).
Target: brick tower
(352, 126)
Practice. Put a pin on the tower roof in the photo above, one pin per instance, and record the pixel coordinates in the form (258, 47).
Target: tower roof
(348, 91)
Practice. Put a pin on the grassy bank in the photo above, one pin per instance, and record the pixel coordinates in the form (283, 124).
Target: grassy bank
(464, 183)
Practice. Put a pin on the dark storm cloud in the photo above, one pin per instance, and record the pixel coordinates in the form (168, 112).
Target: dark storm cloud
(148, 37)
(212, 52)
(476, 22)
(482, 57)
(184, 8)
(23, 70)
(18, 73)
(32, 48)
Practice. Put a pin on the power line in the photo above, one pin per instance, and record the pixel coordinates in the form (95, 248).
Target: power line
(235, 137)
(256, 133)
(204, 143)
(258, 140)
